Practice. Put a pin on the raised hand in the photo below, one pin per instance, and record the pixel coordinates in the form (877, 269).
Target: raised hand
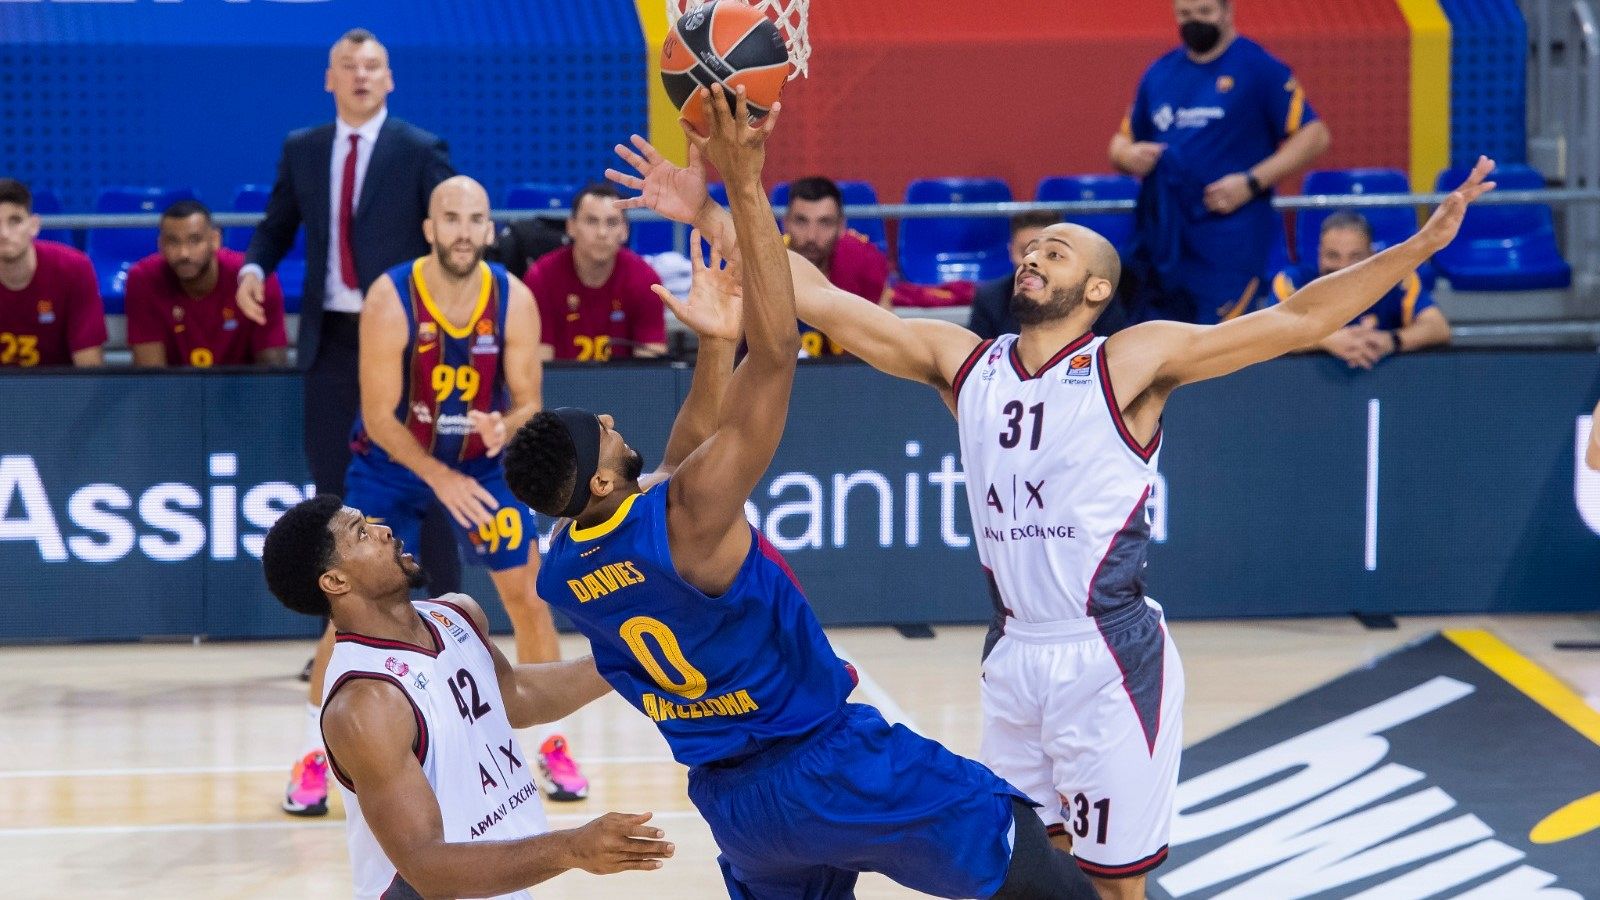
(715, 306)
(1445, 222)
(676, 192)
(618, 842)
(735, 146)
(491, 427)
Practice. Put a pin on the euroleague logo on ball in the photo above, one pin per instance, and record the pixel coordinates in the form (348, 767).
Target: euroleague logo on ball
(694, 18)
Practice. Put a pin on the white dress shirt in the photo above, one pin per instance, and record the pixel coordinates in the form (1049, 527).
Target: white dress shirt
(339, 298)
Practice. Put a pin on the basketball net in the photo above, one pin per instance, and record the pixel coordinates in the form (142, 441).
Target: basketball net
(788, 15)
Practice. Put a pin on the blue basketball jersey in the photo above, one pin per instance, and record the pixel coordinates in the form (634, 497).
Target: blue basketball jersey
(722, 677)
(1222, 116)
(449, 369)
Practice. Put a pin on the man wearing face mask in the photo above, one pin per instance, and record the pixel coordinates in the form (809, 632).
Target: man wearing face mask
(1214, 125)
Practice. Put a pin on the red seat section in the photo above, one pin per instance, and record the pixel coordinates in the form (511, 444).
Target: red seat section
(1021, 89)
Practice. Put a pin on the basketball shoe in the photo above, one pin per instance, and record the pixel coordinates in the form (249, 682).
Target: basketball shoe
(563, 780)
(307, 794)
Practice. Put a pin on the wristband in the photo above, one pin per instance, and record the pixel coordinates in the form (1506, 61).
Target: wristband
(1256, 189)
(1399, 345)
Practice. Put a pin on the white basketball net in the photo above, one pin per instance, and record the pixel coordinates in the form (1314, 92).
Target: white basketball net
(788, 15)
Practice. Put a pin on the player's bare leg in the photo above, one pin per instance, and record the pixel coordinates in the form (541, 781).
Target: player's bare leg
(1119, 888)
(1108, 888)
(307, 793)
(535, 633)
(531, 624)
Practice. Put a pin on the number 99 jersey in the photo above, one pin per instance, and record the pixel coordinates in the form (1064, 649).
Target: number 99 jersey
(720, 676)
(449, 370)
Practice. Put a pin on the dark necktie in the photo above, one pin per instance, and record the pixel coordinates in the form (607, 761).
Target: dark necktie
(347, 196)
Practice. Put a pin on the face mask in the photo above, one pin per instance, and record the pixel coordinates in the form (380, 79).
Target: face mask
(1201, 37)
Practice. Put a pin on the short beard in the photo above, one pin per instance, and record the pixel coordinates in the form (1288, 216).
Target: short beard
(417, 578)
(1062, 303)
(442, 254)
(816, 254)
(632, 467)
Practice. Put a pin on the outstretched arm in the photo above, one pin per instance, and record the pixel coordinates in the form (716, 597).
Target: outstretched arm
(537, 692)
(1169, 354)
(922, 350)
(705, 521)
(925, 350)
(368, 727)
(714, 309)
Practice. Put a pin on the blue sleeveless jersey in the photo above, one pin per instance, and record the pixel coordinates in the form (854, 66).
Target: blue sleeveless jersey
(722, 677)
(449, 368)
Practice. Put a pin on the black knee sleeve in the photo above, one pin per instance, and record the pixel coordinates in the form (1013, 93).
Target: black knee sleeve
(1038, 870)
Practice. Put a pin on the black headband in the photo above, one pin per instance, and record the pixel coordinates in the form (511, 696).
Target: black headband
(583, 427)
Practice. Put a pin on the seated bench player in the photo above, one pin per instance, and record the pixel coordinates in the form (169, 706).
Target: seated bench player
(182, 301)
(50, 309)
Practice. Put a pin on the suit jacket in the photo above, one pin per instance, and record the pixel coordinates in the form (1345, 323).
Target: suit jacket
(407, 164)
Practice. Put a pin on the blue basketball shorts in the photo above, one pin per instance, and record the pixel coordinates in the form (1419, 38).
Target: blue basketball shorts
(390, 494)
(802, 819)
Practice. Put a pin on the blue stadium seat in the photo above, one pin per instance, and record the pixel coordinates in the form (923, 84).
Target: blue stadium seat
(856, 193)
(539, 195)
(46, 203)
(114, 250)
(650, 238)
(934, 251)
(291, 269)
(1114, 227)
(1390, 225)
(1504, 248)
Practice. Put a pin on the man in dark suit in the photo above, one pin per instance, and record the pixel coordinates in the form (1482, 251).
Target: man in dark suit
(360, 186)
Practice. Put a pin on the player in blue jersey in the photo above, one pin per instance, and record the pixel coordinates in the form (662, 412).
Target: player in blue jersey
(1217, 122)
(695, 619)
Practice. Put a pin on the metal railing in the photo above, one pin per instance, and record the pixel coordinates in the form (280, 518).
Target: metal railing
(1564, 114)
(1558, 197)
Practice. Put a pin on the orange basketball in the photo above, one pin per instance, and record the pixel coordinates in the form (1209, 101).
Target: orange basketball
(728, 42)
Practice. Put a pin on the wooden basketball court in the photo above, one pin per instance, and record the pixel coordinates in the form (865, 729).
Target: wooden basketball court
(156, 769)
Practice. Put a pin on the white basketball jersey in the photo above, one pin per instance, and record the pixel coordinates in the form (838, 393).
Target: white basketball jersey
(1056, 484)
(482, 779)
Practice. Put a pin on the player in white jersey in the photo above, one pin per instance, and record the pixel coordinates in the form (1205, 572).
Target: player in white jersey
(417, 720)
(1059, 435)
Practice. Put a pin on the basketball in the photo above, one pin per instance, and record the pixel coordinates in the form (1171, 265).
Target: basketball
(729, 42)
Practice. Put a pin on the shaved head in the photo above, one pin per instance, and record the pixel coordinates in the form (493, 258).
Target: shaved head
(1066, 268)
(458, 225)
(1100, 258)
(460, 192)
